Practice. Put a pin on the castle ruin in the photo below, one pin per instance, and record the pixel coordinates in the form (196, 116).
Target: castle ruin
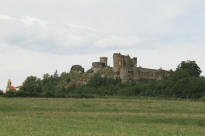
(125, 68)
(97, 66)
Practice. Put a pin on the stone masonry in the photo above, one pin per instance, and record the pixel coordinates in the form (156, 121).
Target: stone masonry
(126, 69)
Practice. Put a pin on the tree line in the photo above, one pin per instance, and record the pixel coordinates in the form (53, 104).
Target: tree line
(185, 82)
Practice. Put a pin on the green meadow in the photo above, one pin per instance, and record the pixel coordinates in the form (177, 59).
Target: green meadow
(101, 117)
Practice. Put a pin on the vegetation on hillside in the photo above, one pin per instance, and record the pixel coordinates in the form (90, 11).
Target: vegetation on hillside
(184, 82)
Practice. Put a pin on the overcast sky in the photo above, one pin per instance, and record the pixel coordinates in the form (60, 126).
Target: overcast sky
(40, 36)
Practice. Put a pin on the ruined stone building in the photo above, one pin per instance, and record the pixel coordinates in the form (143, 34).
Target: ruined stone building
(126, 69)
(97, 66)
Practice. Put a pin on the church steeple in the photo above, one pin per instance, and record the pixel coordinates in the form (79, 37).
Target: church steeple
(8, 87)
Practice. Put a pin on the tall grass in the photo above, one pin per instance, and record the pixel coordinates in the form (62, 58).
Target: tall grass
(101, 117)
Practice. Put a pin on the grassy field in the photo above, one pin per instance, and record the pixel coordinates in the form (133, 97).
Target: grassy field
(101, 117)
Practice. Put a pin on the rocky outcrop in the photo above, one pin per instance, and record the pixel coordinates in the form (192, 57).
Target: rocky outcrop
(77, 68)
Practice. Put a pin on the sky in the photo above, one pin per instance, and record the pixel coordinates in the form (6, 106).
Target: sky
(42, 36)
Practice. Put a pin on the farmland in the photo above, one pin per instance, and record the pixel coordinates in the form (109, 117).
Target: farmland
(101, 117)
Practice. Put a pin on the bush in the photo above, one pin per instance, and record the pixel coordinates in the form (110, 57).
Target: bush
(190, 87)
(1, 92)
(32, 86)
(10, 93)
(202, 98)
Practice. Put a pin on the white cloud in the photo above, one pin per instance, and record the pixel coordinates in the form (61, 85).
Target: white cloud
(36, 34)
(5, 17)
(32, 21)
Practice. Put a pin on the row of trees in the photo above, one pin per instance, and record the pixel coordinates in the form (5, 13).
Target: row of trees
(184, 82)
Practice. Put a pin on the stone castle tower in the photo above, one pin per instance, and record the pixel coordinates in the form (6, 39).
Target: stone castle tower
(126, 69)
(96, 66)
(103, 60)
(124, 66)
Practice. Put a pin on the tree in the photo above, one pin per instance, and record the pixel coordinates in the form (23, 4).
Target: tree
(179, 74)
(1, 92)
(191, 67)
(185, 82)
(55, 76)
(65, 77)
(32, 86)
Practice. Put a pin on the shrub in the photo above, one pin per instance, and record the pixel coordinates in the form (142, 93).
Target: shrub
(1, 92)
(32, 86)
(202, 98)
(10, 93)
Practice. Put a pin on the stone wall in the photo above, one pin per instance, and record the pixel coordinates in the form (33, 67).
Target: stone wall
(103, 60)
(151, 74)
(126, 69)
(97, 66)
(124, 66)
